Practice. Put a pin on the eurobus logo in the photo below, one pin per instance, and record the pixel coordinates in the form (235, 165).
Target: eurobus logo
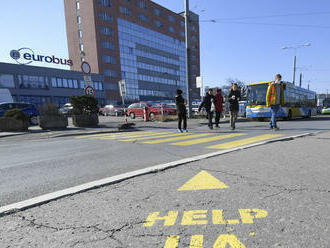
(25, 56)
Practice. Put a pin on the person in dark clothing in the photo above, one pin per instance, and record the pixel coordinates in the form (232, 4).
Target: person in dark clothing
(218, 106)
(181, 111)
(208, 101)
(233, 97)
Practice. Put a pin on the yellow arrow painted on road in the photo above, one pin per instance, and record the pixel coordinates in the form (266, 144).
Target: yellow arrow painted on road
(203, 180)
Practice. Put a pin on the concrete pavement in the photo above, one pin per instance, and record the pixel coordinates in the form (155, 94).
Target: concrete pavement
(275, 195)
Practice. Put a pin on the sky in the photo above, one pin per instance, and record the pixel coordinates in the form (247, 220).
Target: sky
(243, 42)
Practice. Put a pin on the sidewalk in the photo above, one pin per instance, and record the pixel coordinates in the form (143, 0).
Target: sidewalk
(251, 198)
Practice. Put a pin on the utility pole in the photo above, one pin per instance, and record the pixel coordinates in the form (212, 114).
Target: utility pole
(187, 23)
(300, 80)
(294, 68)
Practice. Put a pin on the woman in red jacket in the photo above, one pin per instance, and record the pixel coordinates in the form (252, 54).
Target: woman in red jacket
(218, 107)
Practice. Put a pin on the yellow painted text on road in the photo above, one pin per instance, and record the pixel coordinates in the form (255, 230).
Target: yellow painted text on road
(196, 241)
(177, 138)
(201, 217)
(243, 142)
(203, 180)
(205, 140)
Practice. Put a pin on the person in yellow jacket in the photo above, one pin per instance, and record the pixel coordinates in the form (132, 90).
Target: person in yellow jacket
(274, 99)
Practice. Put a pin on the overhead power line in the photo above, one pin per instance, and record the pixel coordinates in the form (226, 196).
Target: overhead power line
(272, 24)
(268, 16)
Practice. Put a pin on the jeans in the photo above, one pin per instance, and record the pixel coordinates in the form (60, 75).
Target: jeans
(182, 117)
(233, 117)
(217, 117)
(210, 117)
(274, 109)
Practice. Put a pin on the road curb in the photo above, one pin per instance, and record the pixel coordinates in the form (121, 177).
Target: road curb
(39, 200)
(12, 134)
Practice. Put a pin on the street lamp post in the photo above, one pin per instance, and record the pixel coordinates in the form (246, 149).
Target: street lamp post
(187, 20)
(295, 57)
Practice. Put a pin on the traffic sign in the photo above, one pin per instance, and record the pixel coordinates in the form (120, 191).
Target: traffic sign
(85, 67)
(87, 80)
(199, 82)
(89, 90)
(122, 87)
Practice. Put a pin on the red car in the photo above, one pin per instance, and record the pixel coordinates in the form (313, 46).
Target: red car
(137, 109)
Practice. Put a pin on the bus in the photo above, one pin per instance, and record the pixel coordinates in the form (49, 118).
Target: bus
(298, 102)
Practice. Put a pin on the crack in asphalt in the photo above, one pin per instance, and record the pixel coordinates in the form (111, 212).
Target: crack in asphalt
(263, 184)
(110, 233)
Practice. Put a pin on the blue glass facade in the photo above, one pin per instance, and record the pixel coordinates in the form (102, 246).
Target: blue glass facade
(152, 64)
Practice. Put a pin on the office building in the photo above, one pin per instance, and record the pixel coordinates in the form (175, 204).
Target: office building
(137, 41)
(37, 85)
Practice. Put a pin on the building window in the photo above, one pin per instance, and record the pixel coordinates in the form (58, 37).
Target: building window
(194, 38)
(125, 11)
(171, 18)
(32, 82)
(109, 59)
(81, 46)
(142, 17)
(127, 1)
(182, 24)
(105, 17)
(193, 28)
(106, 31)
(171, 29)
(157, 12)
(7, 81)
(142, 4)
(105, 3)
(77, 5)
(108, 45)
(182, 34)
(110, 73)
(79, 33)
(78, 19)
(158, 23)
(193, 57)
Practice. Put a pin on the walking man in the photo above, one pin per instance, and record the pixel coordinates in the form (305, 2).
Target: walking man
(274, 99)
(233, 97)
(218, 107)
(208, 101)
(181, 111)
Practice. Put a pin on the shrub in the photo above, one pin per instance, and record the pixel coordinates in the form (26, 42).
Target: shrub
(84, 105)
(17, 114)
(49, 109)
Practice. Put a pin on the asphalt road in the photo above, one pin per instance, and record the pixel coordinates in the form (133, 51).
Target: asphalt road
(33, 166)
(276, 195)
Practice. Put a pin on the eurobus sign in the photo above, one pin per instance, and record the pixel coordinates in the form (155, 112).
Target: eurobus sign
(25, 56)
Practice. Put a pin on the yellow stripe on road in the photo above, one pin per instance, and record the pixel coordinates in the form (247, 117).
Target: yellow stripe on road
(156, 137)
(205, 140)
(134, 136)
(112, 134)
(177, 138)
(243, 142)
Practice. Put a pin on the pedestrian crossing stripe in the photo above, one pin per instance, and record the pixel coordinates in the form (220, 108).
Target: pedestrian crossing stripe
(132, 136)
(156, 137)
(177, 138)
(203, 180)
(205, 140)
(242, 142)
(112, 134)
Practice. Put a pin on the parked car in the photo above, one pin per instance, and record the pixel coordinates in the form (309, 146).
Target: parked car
(325, 110)
(153, 109)
(112, 110)
(66, 109)
(29, 109)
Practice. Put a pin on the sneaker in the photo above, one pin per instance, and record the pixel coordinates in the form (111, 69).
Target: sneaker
(217, 126)
(180, 131)
(211, 127)
(185, 131)
(276, 128)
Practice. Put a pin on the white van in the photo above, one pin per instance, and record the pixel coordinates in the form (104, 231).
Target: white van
(5, 96)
